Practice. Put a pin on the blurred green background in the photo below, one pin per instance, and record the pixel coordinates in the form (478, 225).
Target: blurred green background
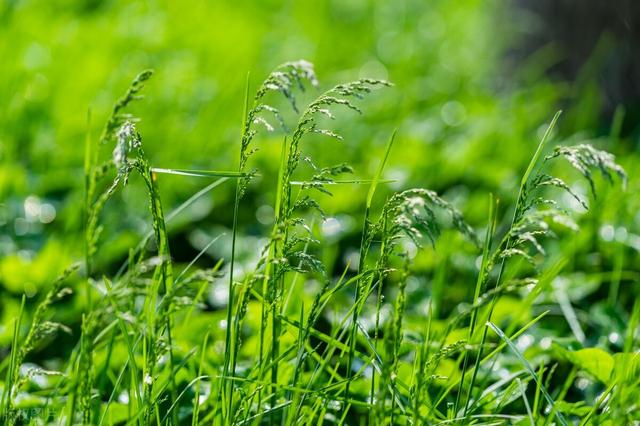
(476, 83)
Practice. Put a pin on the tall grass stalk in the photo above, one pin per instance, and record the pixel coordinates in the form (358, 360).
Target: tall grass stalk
(507, 244)
(378, 360)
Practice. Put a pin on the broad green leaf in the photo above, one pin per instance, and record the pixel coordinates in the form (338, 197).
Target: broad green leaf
(579, 408)
(595, 361)
(626, 366)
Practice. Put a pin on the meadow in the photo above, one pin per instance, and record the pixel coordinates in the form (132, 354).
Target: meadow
(405, 227)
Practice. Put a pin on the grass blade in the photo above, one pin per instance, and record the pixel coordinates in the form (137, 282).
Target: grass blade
(199, 173)
(528, 367)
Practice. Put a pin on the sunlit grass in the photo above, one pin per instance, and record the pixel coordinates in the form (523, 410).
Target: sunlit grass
(372, 364)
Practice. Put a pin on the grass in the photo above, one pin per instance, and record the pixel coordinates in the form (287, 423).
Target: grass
(302, 341)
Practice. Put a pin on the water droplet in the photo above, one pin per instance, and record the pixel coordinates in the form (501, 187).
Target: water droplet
(607, 232)
(47, 213)
(545, 343)
(614, 337)
(331, 227)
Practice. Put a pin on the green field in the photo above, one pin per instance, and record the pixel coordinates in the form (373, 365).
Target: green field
(327, 212)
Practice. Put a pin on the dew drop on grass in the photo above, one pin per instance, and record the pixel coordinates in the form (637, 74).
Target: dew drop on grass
(478, 262)
(31, 207)
(219, 296)
(413, 284)
(352, 258)
(545, 343)
(607, 232)
(334, 405)
(123, 398)
(621, 234)
(47, 213)
(524, 342)
(634, 242)
(399, 177)
(614, 337)
(331, 227)
(582, 383)
(410, 249)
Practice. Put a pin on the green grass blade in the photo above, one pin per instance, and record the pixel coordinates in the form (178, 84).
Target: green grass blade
(339, 182)
(378, 175)
(364, 249)
(13, 368)
(536, 155)
(480, 282)
(528, 367)
(199, 173)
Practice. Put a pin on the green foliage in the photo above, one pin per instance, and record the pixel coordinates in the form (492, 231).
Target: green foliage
(594, 361)
(298, 295)
(143, 306)
(586, 158)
